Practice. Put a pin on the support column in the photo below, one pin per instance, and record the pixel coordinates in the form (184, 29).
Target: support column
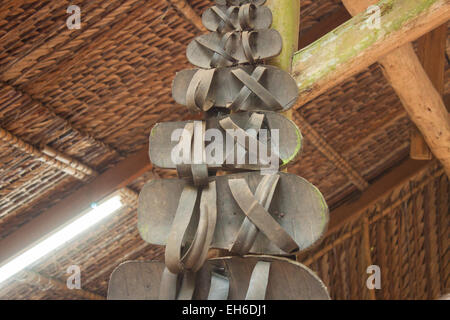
(286, 20)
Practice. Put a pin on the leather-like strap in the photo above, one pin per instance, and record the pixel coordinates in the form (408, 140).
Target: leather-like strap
(247, 233)
(197, 252)
(258, 281)
(216, 57)
(246, 15)
(219, 287)
(187, 286)
(245, 92)
(226, 22)
(180, 224)
(266, 97)
(168, 285)
(254, 123)
(260, 217)
(193, 138)
(248, 51)
(216, 49)
(228, 124)
(197, 94)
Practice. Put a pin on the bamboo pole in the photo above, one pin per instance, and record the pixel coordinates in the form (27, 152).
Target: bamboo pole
(286, 20)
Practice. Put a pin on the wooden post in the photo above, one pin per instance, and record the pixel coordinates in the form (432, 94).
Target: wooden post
(431, 53)
(286, 20)
(422, 102)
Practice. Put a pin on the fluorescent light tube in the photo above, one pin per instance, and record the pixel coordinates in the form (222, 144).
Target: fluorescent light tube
(60, 237)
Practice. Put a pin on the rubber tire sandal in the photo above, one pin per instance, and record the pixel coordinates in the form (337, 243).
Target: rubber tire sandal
(290, 139)
(225, 278)
(244, 88)
(212, 50)
(244, 213)
(221, 18)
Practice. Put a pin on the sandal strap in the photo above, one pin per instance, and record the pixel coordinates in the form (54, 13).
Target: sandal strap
(245, 92)
(254, 123)
(245, 16)
(192, 139)
(260, 217)
(219, 287)
(248, 51)
(259, 279)
(225, 18)
(217, 50)
(247, 233)
(262, 93)
(168, 286)
(197, 94)
(196, 254)
(187, 286)
(216, 57)
(249, 138)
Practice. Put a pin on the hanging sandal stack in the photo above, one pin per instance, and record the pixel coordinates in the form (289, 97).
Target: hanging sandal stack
(244, 212)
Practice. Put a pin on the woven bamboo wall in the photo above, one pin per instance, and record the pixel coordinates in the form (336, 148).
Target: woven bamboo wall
(408, 237)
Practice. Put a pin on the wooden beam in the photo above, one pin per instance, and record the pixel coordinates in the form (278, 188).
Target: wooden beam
(348, 50)
(422, 102)
(101, 186)
(416, 91)
(431, 53)
(379, 190)
(399, 20)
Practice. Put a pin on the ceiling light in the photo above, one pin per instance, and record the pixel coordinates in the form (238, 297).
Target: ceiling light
(61, 236)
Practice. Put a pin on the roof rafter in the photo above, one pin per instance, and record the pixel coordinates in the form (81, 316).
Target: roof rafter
(350, 49)
(414, 103)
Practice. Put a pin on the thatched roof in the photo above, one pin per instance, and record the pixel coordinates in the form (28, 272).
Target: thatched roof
(94, 94)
